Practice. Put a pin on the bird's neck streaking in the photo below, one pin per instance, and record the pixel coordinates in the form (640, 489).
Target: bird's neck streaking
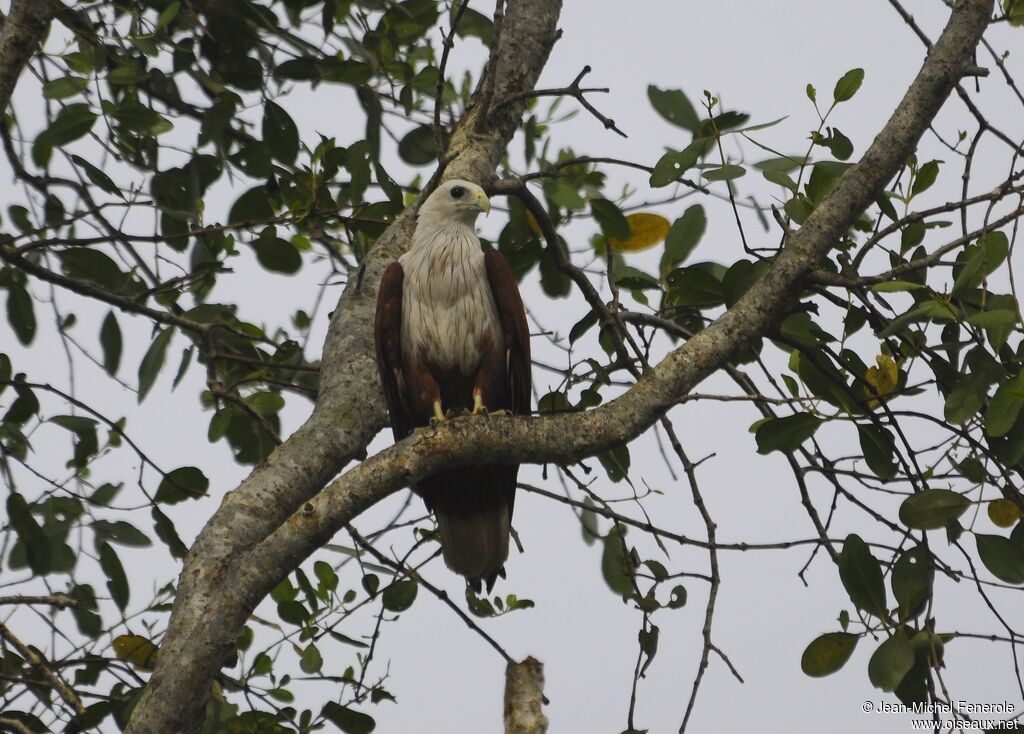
(433, 230)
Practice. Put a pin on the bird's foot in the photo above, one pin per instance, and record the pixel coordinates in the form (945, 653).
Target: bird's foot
(480, 409)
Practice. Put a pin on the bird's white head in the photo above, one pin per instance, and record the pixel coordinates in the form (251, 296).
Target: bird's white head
(455, 200)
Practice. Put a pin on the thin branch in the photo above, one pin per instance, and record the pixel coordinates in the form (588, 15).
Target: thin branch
(575, 91)
(37, 662)
(56, 600)
(447, 43)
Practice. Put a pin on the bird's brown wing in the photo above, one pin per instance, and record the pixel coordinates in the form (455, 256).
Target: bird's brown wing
(387, 336)
(512, 315)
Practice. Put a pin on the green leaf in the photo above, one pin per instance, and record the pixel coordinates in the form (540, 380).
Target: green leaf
(86, 443)
(580, 328)
(310, 661)
(926, 176)
(31, 535)
(168, 14)
(64, 87)
(110, 341)
(896, 286)
(828, 653)
(98, 177)
(781, 178)
(72, 122)
(613, 223)
(139, 118)
(840, 145)
(671, 166)
(348, 720)
(276, 254)
(998, 324)
(616, 567)
(326, 575)
(925, 311)
(848, 85)
(300, 69)
(981, 260)
(616, 462)
(117, 580)
(399, 595)
(1004, 407)
(5, 371)
(98, 267)
(120, 532)
(911, 581)
(634, 279)
(674, 107)
(695, 286)
(967, 398)
(1014, 10)
(186, 482)
(728, 172)
(683, 237)
(165, 532)
(1002, 557)
(21, 314)
(931, 509)
(891, 662)
(861, 575)
(475, 24)
(879, 450)
(418, 147)
(153, 361)
(265, 403)
(24, 407)
(252, 207)
(787, 433)
(280, 132)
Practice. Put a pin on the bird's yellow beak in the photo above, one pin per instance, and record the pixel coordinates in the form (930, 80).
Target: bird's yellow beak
(482, 202)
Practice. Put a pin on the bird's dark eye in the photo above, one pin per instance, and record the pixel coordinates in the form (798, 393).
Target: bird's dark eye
(458, 192)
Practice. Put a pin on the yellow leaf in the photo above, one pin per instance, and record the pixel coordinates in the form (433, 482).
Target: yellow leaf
(646, 230)
(1003, 513)
(532, 222)
(884, 378)
(136, 650)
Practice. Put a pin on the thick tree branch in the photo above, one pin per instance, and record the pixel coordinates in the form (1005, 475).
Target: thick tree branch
(213, 600)
(23, 28)
(524, 696)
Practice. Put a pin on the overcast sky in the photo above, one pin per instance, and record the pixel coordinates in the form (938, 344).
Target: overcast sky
(757, 57)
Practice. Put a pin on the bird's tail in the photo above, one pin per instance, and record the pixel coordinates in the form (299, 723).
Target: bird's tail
(473, 508)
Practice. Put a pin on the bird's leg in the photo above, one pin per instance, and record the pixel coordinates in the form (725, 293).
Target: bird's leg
(439, 414)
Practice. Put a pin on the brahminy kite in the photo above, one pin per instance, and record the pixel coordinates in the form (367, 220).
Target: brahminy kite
(451, 337)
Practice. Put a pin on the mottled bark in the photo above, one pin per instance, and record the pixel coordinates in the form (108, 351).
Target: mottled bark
(251, 542)
(524, 698)
(23, 28)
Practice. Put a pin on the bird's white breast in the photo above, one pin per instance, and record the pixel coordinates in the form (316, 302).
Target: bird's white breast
(448, 309)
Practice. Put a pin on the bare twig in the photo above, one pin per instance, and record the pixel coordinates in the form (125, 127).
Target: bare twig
(575, 91)
(37, 662)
